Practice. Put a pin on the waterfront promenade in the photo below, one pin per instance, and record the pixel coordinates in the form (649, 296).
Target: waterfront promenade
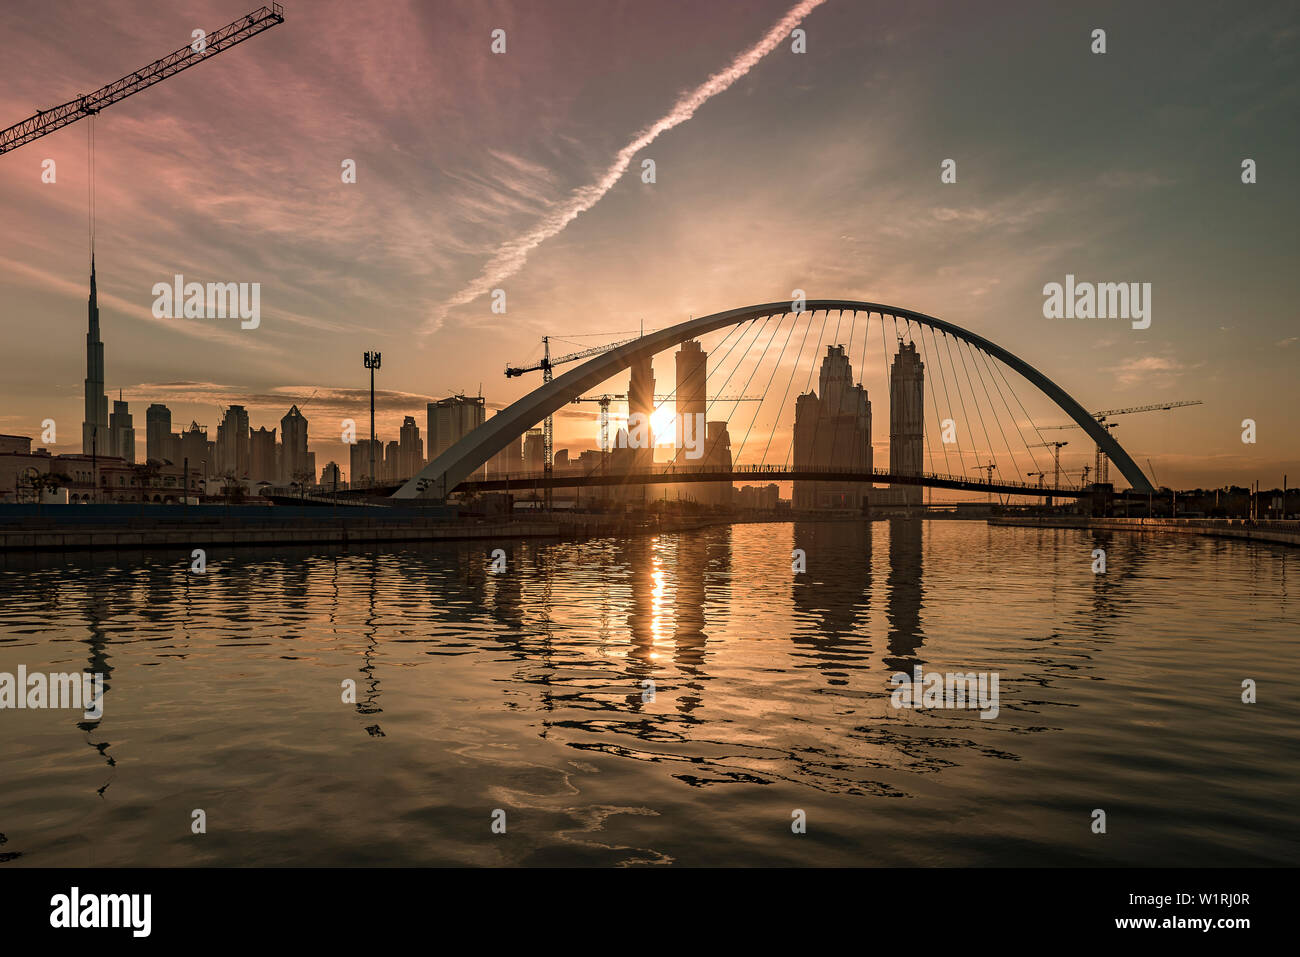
(1261, 530)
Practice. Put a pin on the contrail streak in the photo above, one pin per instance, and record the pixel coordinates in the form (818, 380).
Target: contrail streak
(512, 255)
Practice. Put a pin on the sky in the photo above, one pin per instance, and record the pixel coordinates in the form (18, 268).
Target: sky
(774, 171)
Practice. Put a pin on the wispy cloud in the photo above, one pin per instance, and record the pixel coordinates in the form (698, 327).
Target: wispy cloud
(1149, 369)
(512, 255)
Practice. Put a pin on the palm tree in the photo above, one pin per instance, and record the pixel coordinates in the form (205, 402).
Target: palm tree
(40, 482)
(301, 478)
(232, 489)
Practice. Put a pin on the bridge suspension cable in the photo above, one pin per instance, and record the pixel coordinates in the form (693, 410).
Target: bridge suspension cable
(934, 402)
(767, 388)
(722, 388)
(748, 355)
(812, 364)
(1010, 414)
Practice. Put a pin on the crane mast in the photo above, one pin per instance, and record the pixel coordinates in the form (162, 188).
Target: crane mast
(546, 365)
(88, 104)
(1056, 464)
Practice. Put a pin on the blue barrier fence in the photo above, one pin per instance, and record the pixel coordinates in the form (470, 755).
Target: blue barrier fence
(143, 514)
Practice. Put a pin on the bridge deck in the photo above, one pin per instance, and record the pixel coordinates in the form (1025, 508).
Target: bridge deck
(748, 473)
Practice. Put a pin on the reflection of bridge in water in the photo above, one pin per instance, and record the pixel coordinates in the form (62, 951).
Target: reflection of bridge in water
(676, 474)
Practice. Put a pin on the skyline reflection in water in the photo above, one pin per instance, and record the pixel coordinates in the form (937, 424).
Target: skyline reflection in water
(527, 691)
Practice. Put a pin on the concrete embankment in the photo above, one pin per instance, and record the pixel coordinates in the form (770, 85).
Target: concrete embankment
(1267, 530)
(80, 528)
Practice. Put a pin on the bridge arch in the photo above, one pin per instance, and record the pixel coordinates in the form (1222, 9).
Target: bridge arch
(460, 461)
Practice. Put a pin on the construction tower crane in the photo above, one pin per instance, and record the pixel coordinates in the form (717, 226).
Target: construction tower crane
(607, 398)
(1101, 472)
(604, 401)
(1158, 407)
(1056, 463)
(546, 365)
(992, 467)
(1103, 416)
(88, 104)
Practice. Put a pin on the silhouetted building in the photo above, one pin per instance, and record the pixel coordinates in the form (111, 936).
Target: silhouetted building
(450, 420)
(907, 421)
(717, 456)
(534, 448)
(690, 397)
(296, 463)
(194, 447)
(263, 466)
(83, 478)
(233, 443)
(158, 438)
(690, 401)
(121, 428)
(640, 411)
(641, 404)
(411, 457)
(832, 429)
(359, 476)
(392, 461)
(330, 476)
(766, 497)
(94, 427)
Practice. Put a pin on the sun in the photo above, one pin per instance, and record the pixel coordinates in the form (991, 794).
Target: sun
(661, 424)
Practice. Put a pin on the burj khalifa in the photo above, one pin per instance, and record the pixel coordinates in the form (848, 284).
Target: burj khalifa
(94, 428)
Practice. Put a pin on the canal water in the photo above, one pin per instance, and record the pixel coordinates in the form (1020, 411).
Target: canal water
(675, 699)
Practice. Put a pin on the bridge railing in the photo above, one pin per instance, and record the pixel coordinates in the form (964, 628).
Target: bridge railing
(769, 471)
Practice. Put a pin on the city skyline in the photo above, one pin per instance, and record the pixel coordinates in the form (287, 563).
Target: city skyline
(255, 457)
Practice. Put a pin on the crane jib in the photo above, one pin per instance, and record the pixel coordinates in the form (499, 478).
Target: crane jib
(47, 121)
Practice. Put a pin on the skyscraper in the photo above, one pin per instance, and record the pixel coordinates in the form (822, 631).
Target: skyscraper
(717, 456)
(121, 428)
(690, 401)
(94, 427)
(410, 459)
(641, 402)
(690, 397)
(262, 466)
(233, 442)
(832, 429)
(534, 449)
(194, 449)
(359, 460)
(158, 433)
(640, 409)
(450, 420)
(294, 460)
(907, 420)
(392, 462)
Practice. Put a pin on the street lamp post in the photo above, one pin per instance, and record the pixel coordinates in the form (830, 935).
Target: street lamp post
(372, 363)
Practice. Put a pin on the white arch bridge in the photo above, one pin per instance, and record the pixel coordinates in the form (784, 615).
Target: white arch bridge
(452, 470)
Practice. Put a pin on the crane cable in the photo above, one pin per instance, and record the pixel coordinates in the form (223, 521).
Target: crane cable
(90, 187)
